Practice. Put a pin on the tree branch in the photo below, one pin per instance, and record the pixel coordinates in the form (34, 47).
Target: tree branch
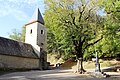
(81, 13)
(66, 21)
(83, 40)
(88, 14)
(61, 5)
(93, 42)
(73, 20)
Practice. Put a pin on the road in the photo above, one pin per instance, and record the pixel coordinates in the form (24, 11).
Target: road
(51, 75)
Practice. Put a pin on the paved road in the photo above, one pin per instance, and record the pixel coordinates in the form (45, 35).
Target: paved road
(51, 75)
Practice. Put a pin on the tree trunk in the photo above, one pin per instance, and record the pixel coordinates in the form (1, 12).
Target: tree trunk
(80, 66)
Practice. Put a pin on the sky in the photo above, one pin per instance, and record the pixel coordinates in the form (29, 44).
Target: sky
(14, 14)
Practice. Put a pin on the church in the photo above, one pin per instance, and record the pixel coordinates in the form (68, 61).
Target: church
(29, 55)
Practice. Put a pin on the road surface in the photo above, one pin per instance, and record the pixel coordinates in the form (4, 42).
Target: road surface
(52, 75)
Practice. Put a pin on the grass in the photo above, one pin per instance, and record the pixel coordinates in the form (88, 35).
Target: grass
(71, 64)
(91, 64)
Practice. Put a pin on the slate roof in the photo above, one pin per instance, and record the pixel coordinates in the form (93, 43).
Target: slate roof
(37, 17)
(15, 48)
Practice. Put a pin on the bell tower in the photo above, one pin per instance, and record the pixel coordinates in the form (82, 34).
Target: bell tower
(36, 33)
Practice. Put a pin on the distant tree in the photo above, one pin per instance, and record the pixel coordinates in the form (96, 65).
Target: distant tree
(19, 36)
(23, 33)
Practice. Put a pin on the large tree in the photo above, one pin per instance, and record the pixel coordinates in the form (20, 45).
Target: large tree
(75, 24)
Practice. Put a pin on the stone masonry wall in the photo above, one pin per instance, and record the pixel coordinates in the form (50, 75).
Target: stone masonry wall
(13, 62)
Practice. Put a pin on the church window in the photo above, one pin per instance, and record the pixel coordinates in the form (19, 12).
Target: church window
(31, 31)
(42, 32)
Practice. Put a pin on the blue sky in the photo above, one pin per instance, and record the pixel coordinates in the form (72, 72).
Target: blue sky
(16, 13)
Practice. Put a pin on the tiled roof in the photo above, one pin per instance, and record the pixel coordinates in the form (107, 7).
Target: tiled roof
(15, 48)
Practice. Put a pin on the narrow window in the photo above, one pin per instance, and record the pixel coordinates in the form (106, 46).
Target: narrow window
(42, 32)
(42, 44)
(31, 31)
(41, 49)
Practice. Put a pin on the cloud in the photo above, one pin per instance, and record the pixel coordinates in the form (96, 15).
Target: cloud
(25, 2)
(3, 12)
(20, 15)
(4, 9)
(15, 8)
(32, 1)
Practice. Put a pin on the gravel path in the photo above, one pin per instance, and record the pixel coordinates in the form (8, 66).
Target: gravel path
(52, 75)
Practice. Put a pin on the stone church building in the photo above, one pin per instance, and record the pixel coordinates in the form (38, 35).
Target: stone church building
(29, 55)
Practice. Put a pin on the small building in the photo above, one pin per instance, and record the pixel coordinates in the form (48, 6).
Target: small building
(29, 55)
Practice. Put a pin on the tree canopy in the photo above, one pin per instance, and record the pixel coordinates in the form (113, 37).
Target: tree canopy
(74, 24)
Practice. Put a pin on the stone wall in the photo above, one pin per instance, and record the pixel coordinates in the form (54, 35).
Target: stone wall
(19, 55)
(14, 62)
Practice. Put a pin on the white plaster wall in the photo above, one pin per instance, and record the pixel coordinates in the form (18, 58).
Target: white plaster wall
(32, 38)
(36, 38)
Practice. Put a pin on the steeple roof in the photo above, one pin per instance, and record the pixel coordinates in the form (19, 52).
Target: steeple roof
(37, 17)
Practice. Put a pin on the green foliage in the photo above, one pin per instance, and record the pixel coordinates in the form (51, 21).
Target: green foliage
(110, 45)
(74, 26)
(62, 19)
(19, 36)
